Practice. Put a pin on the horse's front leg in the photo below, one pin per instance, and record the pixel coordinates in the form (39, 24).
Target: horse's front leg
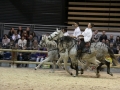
(46, 60)
(108, 68)
(59, 64)
(54, 66)
(65, 65)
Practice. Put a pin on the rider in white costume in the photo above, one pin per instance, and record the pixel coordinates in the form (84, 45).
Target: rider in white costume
(87, 37)
(87, 34)
(77, 30)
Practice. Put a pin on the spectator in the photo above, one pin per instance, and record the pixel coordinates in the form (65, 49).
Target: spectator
(5, 41)
(103, 36)
(20, 31)
(25, 35)
(113, 48)
(41, 56)
(39, 59)
(35, 45)
(29, 42)
(117, 41)
(103, 41)
(20, 57)
(107, 43)
(22, 42)
(28, 31)
(34, 35)
(95, 36)
(26, 55)
(11, 32)
(111, 40)
(12, 44)
(16, 37)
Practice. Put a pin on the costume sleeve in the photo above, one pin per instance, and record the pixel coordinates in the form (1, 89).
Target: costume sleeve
(77, 32)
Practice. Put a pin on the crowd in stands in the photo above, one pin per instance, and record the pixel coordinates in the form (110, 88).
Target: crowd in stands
(25, 40)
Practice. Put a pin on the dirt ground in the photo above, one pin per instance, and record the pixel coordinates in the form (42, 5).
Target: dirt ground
(42, 79)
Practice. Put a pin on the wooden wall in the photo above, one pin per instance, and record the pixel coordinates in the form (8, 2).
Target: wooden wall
(103, 13)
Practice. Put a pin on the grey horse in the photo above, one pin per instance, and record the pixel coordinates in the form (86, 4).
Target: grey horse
(68, 45)
(52, 51)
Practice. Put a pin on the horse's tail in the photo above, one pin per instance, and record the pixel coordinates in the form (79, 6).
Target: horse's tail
(114, 60)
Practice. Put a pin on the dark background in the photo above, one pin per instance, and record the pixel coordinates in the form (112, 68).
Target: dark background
(33, 11)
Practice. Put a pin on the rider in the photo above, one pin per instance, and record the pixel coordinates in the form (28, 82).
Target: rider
(77, 30)
(87, 35)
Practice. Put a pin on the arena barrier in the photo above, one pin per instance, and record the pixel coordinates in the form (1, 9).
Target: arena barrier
(14, 61)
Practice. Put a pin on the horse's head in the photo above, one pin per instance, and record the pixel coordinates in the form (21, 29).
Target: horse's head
(43, 41)
(56, 35)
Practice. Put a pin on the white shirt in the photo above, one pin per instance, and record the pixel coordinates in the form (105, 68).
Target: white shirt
(22, 43)
(87, 34)
(5, 41)
(14, 37)
(66, 34)
(77, 32)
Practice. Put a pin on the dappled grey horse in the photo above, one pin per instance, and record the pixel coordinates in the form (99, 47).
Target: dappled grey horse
(52, 51)
(68, 44)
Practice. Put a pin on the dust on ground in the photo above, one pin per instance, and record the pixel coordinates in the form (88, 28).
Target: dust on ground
(42, 79)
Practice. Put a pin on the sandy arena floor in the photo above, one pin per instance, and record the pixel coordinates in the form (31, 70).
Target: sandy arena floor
(29, 79)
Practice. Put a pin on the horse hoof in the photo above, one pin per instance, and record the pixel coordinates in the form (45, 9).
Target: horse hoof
(71, 74)
(63, 68)
(35, 68)
(111, 74)
(82, 72)
(98, 75)
(74, 75)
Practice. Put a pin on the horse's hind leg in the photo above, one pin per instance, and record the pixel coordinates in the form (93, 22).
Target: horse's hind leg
(97, 63)
(99, 67)
(76, 67)
(85, 67)
(108, 68)
(81, 66)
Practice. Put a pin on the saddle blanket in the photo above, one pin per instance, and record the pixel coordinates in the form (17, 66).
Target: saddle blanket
(108, 59)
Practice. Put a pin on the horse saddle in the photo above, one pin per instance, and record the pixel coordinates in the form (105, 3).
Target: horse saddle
(83, 48)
